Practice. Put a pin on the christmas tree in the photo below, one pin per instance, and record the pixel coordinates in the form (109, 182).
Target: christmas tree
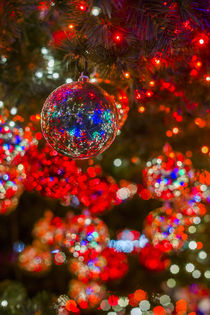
(104, 151)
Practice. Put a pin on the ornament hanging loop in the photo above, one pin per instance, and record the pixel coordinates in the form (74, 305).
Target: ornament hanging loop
(84, 73)
(83, 78)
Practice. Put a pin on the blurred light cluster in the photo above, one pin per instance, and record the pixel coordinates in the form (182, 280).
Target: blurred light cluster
(169, 175)
(10, 188)
(109, 265)
(14, 139)
(153, 258)
(165, 228)
(126, 191)
(14, 142)
(128, 241)
(35, 258)
(86, 235)
(86, 295)
(59, 177)
(121, 102)
(51, 70)
(195, 298)
(201, 188)
(81, 242)
(136, 303)
(83, 237)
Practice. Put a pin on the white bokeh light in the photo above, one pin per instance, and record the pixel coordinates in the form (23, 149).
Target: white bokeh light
(189, 267)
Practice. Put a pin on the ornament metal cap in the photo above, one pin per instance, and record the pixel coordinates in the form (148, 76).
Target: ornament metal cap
(83, 78)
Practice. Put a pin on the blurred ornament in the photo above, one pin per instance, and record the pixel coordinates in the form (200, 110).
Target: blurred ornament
(58, 177)
(201, 187)
(10, 188)
(153, 258)
(35, 259)
(190, 208)
(86, 295)
(50, 230)
(107, 266)
(196, 296)
(116, 265)
(49, 173)
(88, 270)
(165, 229)
(98, 193)
(86, 236)
(168, 176)
(79, 120)
(14, 140)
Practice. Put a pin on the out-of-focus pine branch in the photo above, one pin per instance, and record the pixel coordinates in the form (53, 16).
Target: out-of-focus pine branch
(122, 38)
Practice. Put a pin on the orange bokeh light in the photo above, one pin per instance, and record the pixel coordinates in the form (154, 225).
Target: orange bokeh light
(152, 83)
(204, 149)
(169, 133)
(141, 109)
(200, 122)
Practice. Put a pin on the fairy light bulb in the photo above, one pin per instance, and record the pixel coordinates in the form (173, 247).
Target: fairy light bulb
(117, 162)
(55, 75)
(44, 51)
(39, 74)
(3, 59)
(69, 80)
(51, 63)
(13, 111)
(149, 93)
(95, 11)
(152, 83)
(82, 7)
(117, 38)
